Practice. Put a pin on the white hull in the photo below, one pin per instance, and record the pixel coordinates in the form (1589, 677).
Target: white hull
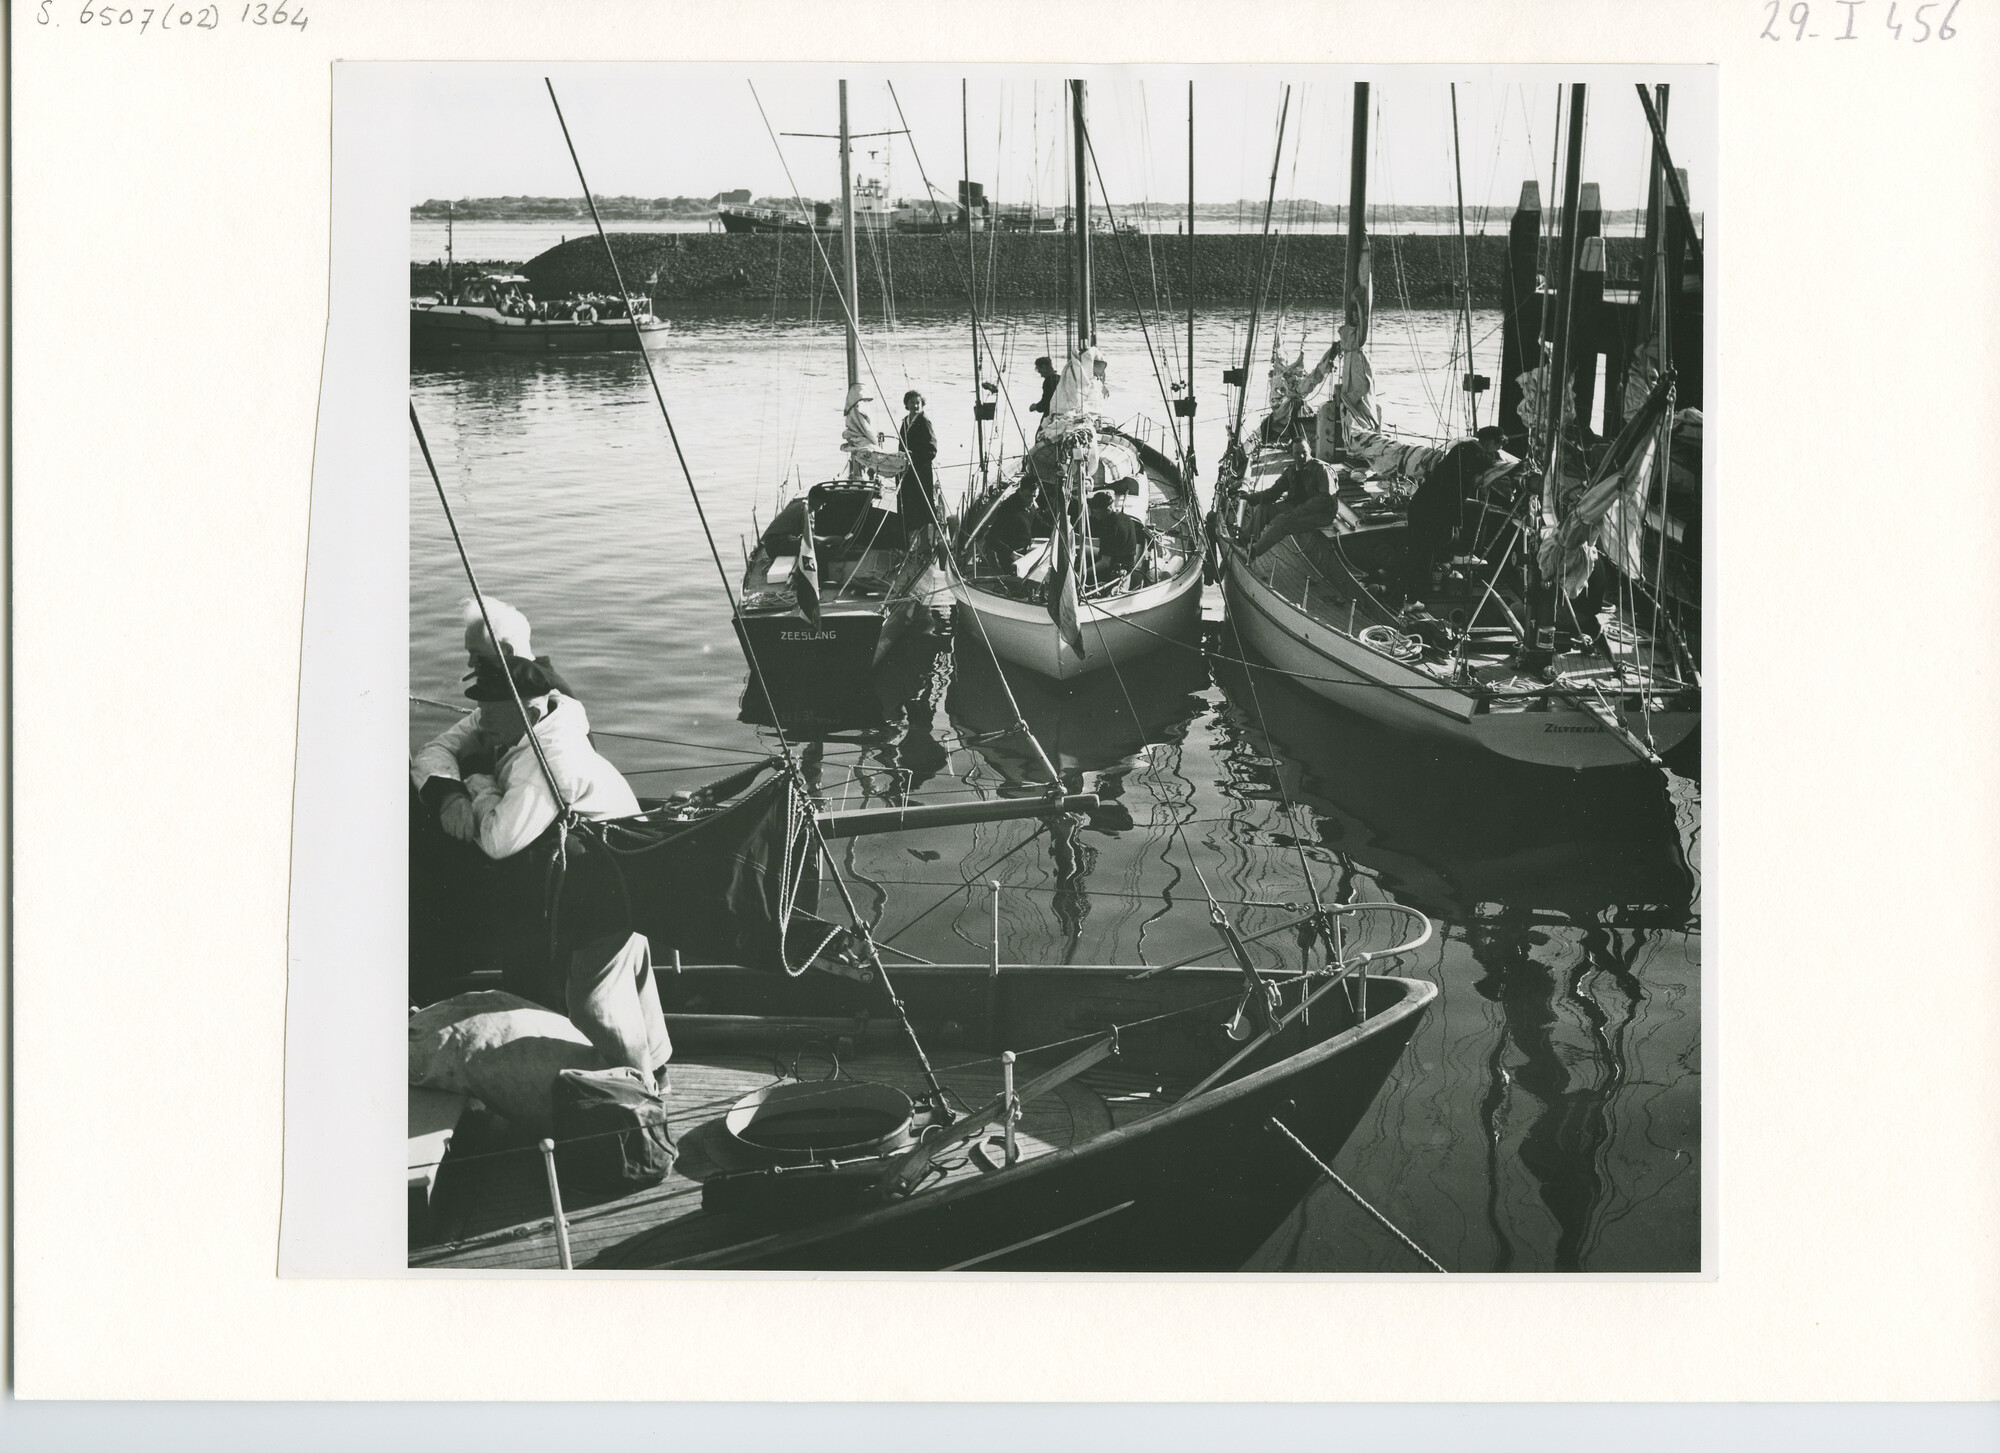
(1332, 664)
(1023, 634)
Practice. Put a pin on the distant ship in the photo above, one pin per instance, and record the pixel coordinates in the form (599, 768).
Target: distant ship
(494, 314)
(873, 212)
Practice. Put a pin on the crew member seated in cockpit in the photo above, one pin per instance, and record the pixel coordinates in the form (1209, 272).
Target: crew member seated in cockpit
(1121, 540)
(488, 781)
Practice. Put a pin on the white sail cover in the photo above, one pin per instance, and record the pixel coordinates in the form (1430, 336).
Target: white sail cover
(862, 441)
(1084, 388)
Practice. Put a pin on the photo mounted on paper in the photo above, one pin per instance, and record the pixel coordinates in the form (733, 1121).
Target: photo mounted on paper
(1012, 673)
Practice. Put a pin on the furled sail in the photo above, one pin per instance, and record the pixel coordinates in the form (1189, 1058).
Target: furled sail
(863, 441)
(1084, 388)
(1608, 515)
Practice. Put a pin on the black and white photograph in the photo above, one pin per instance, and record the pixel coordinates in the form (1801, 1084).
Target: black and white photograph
(1021, 672)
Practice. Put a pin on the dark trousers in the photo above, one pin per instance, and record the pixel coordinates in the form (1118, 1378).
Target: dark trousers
(1314, 514)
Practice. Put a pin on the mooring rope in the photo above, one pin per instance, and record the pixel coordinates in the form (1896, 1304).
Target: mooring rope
(1356, 1196)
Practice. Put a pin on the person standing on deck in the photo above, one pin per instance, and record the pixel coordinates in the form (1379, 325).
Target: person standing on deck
(916, 493)
(1046, 367)
(1437, 512)
(487, 778)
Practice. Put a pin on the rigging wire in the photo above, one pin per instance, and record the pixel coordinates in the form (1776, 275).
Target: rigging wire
(736, 609)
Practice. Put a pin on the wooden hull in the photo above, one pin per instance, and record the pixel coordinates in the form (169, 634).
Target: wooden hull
(1195, 1185)
(1196, 1188)
(1023, 634)
(1332, 664)
(453, 330)
(817, 680)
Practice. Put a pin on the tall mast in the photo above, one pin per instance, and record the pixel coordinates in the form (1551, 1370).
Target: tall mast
(1086, 317)
(1465, 258)
(972, 264)
(847, 256)
(1655, 308)
(1257, 302)
(1357, 205)
(1555, 401)
(1190, 275)
(448, 213)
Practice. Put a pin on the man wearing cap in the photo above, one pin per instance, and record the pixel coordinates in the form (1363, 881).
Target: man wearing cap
(508, 805)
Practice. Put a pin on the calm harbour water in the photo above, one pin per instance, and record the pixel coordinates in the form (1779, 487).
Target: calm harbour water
(1547, 1115)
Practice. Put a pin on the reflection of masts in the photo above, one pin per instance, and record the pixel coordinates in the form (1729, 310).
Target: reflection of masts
(1563, 1146)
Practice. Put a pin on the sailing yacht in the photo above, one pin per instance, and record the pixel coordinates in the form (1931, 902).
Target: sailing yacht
(1500, 654)
(1092, 555)
(838, 563)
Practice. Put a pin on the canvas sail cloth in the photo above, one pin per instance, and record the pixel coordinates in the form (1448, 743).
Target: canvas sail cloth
(1351, 411)
(863, 442)
(1292, 386)
(1064, 609)
(1608, 515)
(1082, 393)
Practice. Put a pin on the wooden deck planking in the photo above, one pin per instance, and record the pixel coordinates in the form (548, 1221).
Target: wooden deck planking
(494, 1202)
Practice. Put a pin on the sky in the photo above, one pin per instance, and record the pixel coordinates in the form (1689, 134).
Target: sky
(657, 130)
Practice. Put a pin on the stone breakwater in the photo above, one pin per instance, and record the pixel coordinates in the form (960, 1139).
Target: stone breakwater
(1019, 271)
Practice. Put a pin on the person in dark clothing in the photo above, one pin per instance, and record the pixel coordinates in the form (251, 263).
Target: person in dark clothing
(916, 492)
(1046, 367)
(1121, 540)
(1301, 500)
(1018, 520)
(1437, 513)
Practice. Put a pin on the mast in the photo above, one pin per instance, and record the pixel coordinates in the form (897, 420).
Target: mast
(1465, 257)
(1257, 302)
(1086, 316)
(972, 264)
(1654, 310)
(1555, 403)
(851, 272)
(448, 214)
(1357, 205)
(1190, 278)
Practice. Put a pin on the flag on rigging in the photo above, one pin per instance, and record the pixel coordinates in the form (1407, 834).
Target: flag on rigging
(805, 574)
(1062, 582)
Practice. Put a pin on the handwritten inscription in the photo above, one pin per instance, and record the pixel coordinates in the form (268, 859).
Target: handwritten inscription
(138, 19)
(1859, 20)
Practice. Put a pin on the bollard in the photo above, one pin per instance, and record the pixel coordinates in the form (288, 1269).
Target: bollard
(555, 1200)
(993, 974)
(993, 966)
(1013, 1110)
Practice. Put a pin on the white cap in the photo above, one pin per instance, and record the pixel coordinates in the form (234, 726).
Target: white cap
(509, 624)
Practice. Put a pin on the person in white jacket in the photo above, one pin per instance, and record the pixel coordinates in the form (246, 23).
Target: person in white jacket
(482, 775)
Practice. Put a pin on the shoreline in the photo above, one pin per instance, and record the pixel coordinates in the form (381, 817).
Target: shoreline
(733, 274)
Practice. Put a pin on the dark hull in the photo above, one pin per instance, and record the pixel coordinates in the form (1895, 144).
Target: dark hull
(740, 224)
(438, 332)
(1197, 1188)
(819, 681)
